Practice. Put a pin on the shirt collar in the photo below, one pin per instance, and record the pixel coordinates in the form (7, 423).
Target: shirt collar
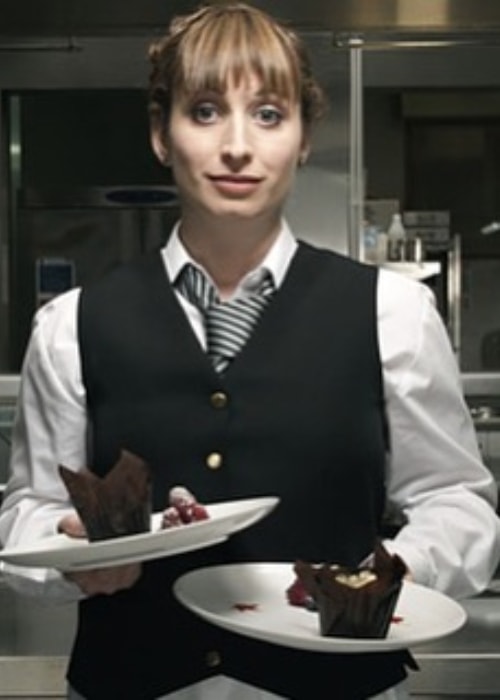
(276, 262)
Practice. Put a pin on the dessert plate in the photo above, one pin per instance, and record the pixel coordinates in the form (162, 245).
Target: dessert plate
(70, 554)
(250, 599)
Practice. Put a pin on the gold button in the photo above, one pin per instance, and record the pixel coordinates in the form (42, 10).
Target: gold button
(213, 659)
(214, 460)
(218, 399)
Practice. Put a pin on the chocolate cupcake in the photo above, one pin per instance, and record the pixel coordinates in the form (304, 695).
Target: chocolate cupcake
(355, 602)
(114, 506)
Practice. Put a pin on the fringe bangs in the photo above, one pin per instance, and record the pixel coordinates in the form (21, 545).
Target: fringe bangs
(232, 48)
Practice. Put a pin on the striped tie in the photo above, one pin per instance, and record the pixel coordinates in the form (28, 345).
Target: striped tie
(228, 324)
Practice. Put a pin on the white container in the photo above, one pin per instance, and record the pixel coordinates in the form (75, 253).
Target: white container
(396, 239)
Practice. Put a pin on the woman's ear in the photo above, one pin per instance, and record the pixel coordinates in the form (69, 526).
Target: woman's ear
(303, 156)
(305, 149)
(158, 142)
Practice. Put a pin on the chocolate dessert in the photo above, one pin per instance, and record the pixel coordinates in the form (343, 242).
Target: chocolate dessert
(354, 602)
(114, 506)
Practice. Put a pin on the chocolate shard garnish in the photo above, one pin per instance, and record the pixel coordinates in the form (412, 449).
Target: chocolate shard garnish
(116, 505)
(355, 602)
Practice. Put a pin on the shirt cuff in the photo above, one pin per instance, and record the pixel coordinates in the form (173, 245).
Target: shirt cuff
(419, 568)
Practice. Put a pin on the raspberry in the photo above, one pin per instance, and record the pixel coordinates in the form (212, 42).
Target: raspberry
(298, 596)
(199, 512)
(171, 518)
(185, 511)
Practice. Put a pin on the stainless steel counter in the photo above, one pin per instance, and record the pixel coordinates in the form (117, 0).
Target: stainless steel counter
(467, 663)
(35, 641)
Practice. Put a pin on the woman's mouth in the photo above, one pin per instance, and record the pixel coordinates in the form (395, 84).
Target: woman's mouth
(235, 185)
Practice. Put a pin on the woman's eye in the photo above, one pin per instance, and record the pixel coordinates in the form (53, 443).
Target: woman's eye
(269, 116)
(204, 113)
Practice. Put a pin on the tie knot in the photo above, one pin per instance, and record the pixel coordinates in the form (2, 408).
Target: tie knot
(195, 287)
(228, 324)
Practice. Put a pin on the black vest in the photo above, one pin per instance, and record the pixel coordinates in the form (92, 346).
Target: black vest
(304, 420)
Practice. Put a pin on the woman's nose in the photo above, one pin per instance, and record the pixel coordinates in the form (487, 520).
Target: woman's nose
(236, 144)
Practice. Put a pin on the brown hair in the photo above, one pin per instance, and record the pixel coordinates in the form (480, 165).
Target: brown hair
(201, 50)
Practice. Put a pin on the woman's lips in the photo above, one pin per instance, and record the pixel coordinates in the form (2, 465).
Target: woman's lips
(238, 186)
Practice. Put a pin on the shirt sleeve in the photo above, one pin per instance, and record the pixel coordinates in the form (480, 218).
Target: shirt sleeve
(451, 539)
(49, 429)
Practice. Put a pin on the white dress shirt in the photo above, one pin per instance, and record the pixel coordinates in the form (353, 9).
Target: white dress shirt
(435, 475)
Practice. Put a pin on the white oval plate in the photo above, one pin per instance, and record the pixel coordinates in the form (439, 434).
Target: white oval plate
(214, 593)
(70, 554)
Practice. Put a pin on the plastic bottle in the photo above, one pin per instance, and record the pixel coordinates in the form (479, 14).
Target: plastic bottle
(396, 239)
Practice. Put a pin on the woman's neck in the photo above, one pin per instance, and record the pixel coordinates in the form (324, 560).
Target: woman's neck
(228, 250)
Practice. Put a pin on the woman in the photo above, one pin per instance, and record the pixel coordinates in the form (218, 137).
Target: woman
(344, 398)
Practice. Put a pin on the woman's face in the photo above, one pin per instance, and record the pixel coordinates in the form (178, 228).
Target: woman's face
(234, 154)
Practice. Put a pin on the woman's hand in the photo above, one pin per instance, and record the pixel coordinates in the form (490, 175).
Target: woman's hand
(108, 580)
(93, 581)
(72, 526)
